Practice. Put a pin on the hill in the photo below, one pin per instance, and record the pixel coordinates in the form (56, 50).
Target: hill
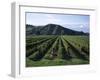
(51, 29)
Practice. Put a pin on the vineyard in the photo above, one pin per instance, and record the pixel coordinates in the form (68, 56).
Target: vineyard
(52, 50)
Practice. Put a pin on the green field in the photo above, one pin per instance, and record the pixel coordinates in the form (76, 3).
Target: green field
(52, 50)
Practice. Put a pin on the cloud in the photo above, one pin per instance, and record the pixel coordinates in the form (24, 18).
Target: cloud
(49, 16)
(52, 19)
(81, 26)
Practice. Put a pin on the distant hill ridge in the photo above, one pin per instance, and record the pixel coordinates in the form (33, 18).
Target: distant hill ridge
(51, 29)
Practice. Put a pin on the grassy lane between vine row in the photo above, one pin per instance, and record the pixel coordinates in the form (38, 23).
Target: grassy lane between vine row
(36, 47)
(58, 50)
(80, 53)
(41, 51)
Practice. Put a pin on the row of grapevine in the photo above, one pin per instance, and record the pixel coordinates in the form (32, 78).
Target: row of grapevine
(31, 45)
(52, 51)
(41, 50)
(80, 54)
(81, 42)
(54, 47)
(36, 47)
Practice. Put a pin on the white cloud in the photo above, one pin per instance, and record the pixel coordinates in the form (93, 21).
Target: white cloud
(81, 26)
(52, 19)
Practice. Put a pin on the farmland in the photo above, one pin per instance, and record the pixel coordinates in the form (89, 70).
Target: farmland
(52, 50)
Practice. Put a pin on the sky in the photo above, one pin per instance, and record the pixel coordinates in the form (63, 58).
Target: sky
(71, 21)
